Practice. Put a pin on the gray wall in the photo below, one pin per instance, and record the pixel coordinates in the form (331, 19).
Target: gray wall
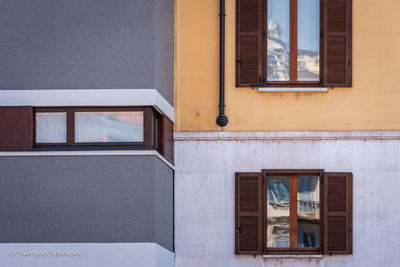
(85, 44)
(90, 199)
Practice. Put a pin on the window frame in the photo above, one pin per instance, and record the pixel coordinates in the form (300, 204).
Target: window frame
(293, 210)
(293, 49)
(148, 126)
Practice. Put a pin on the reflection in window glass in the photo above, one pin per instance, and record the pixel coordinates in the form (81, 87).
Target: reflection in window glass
(308, 211)
(121, 126)
(51, 127)
(278, 212)
(278, 40)
(308, 40)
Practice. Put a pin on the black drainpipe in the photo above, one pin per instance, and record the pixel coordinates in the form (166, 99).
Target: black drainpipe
(222, 119)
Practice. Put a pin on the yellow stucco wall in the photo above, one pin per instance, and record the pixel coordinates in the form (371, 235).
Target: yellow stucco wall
(373, 103)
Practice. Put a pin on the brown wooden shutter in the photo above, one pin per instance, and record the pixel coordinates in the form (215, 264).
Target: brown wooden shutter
(248, 217)
(16, 128)
(167, 149)
(337, 32)
(338, 213)
(248, 42)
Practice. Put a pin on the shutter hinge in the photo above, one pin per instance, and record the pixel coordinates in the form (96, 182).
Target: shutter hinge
(349, 63)
(350, 229)
(240, 62)
(264, 34)
(263, 248)
(322, 179)
(257, 85)
(321, 34)
(238, 229)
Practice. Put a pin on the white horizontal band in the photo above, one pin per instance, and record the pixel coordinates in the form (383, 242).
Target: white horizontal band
(292, 89)
(86, 153)
(87, 97)
(85, 254)
(272, 136)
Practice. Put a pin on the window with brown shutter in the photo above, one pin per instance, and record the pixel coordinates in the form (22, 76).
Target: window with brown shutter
(293, 43)
(293, 212)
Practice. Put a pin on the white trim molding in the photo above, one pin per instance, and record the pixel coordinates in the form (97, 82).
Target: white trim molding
(87, 153)
(287, 136)
(87, 97)
(292, 89)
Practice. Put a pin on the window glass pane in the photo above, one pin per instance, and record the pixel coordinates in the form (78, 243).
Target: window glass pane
(308, 40)
(278, 212)
(51, 127)
(308, 211)
(278, 40)
(121, 126)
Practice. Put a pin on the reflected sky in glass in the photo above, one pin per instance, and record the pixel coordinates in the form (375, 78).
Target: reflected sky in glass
(278, 13)
(122, 126)
(51, 127)
(308, 37)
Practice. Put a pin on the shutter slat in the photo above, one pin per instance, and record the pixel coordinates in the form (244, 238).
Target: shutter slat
(248, 222)
(337, 25)
(338, 219)
(16, 128)
(248, 41)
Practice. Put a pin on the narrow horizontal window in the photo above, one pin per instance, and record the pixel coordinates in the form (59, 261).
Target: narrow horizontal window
(51, 127)
(109, 127)
(76, 128)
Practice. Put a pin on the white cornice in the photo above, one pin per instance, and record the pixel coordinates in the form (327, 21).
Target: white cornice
(287, 136)
(87, 97)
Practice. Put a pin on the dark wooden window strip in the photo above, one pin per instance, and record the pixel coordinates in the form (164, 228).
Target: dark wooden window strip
(156, 135)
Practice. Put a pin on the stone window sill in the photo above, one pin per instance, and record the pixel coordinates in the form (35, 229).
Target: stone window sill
(289, 256)
(292, 89)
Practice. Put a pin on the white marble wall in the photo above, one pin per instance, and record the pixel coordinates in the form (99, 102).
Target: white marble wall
(204, 192)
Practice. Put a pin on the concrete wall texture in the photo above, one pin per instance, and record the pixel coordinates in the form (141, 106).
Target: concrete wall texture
(86, 199)
(87, 44)
(371, 104)
(205, 201)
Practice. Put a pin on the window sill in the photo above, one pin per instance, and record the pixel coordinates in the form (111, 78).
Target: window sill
(288, 256)
(292, 89)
